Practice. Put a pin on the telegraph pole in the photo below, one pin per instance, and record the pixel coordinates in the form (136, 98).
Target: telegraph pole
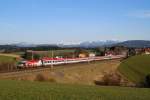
(88, 60)
(32, 55)
(52, 58)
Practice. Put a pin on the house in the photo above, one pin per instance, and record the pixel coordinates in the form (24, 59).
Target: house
(138, 51)
(118, 50)
(147, 51)
(109, 53)
(82, 55)
(142, 51)
(92, 55)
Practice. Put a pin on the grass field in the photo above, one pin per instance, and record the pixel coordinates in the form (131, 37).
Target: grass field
(136, 68)
(6, 58)
(60, 52)
(23, 90)
(18, 53)
(66, 50)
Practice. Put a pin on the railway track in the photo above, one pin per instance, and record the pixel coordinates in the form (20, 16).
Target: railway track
(20, 72)
(23, 72)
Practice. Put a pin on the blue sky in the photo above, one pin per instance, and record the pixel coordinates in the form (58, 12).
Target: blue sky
(73, 21)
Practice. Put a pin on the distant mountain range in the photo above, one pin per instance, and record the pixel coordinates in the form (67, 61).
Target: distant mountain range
(135, 43)
(109, 43)
(98, 44)
(93, 44)
(24, 44)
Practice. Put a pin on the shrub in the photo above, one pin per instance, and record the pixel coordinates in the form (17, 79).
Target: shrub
(147, 80)
(51, 80)
(40, 77)
(111, 79)
(44, 78)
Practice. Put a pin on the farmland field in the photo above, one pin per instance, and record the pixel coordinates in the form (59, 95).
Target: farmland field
(60, 52)
(23, 90)
(136, 68)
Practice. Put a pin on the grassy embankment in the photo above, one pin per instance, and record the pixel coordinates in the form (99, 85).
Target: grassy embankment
(136, 68)
(6, 58)
(8, 62)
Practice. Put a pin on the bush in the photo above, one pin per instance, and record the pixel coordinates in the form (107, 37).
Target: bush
(147, 80)
(51, 80)
(40, 78)
(44, 78)
(36, 56)
(111, 79)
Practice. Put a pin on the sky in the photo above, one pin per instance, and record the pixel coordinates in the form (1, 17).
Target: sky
(73, 21)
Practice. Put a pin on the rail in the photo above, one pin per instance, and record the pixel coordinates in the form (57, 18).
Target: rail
(45, 68)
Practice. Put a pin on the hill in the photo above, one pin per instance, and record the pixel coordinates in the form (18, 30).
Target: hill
(23, 90)
(8, 62)
(135, 43)
(136, 68)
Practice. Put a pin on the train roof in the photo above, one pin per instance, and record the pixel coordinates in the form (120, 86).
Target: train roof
(46, 58)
